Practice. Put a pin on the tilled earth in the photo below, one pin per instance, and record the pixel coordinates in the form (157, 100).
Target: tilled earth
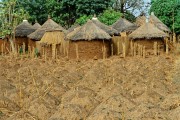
(112, 89)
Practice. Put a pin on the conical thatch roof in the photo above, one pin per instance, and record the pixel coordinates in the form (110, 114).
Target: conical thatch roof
(90, 31)
(122, 25)
(73, 27)
(52, 37)
(108, 29)
(24, 29)
(154, 20)
(70, 34)
(147, 31)
(49, 25)
(36, 26)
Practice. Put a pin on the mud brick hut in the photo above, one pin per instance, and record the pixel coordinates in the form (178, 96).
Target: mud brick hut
(36, 36)
(53, 43)
(89, 42)
(21, 33)
(154, 20)
(36, 25)
(147, 34)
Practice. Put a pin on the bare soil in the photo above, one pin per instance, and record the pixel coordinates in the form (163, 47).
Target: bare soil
(112, 89)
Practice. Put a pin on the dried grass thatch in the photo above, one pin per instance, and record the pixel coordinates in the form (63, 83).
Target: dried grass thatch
(154, 20)
(73, 27)
(123, 25)
(49, 25)
(52, 37)
(36, 26)
(108, 29)
(24, 29)
(147, 31)
(90, 31)
(70, 34)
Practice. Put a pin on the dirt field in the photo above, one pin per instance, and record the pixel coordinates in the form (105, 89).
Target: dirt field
(113, 89)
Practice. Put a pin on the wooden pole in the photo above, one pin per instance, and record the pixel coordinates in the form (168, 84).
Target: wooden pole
(144, 51)
(77, 52)
(155, 48)
(112, 49)
(124, 49)
(167, 47)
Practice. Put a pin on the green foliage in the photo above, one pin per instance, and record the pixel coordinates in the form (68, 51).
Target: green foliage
(109, 16)
(83, 19)
(168, 11)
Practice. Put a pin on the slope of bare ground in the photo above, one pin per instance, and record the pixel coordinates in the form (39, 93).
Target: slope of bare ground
(115, 88)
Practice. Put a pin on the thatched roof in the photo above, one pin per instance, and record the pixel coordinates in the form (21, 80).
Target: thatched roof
(90, 31)
(70, 34)
(36, 26)
(47, 26)
(52, 37)
(108, 29)
(24, 29)
(123, 25)
(147, 31)
(73, 27)
(154, 20)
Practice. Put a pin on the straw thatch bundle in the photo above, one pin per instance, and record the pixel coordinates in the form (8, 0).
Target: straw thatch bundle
(52, 37)
(123, 25)
(108, 29)
(36, 26)
(154, 20)
(49, 25)
(24, 29)
(90, 31)
(147, 31)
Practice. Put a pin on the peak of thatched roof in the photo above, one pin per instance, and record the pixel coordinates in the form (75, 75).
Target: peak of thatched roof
(24, 29)
(52, 37)
(110, 30)
(73, 27)
(154, 20)
(90, 31)
(147, 31)
(122, 25)
(36, 26)
(49, 25)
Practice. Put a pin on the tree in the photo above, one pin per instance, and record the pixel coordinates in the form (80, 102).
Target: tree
(168, 11)
(10, 17)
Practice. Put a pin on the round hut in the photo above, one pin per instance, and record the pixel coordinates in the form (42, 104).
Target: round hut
(21, 33)
(36, 25)
(154, 20)
(123, 25)
(147, 35)
(53, 43)
(89, 42)
(36, 36)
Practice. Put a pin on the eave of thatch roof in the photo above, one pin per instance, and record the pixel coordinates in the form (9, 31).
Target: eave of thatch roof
(154, 20)
(110, 30)
(147, 31)
(52, 37)
(90, 31)
(24, 29)
(49, 25)
(36, 26)
(123, 25)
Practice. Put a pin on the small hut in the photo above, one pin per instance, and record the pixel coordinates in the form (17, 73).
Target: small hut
(123, 25)
(21, 33)
(154, 20)
(36, 25)
(147, 34)
(110, 30)
(53, 43)
(4, 45)
(89, 42)
(36, 36)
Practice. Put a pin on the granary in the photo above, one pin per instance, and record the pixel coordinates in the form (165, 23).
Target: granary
(21, 33)
(110, 30)
(53, 43)
(4, 45)
(147, 35)
(36, 25)
(36, 36)
(89, 42)
(154, 20)
(123, 25)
